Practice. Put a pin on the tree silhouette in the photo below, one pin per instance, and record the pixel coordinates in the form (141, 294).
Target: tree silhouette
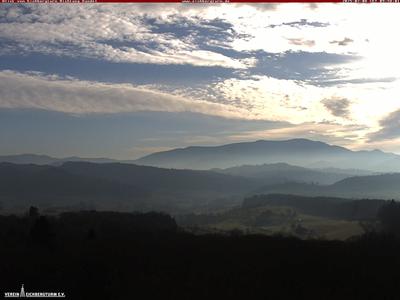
(33, 212)
(389, 217)
(42, 232)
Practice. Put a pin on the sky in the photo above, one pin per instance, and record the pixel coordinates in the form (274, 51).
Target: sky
(125, 80)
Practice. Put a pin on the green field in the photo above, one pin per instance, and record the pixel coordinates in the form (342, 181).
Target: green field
(278, 220)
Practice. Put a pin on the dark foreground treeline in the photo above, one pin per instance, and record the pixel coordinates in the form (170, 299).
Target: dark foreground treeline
(105, 255)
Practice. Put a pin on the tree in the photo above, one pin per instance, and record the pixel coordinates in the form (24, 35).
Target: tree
(33, 212)
(389, 217)
(42, 232)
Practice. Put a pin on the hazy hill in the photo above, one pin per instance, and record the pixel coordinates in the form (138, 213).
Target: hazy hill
(385, 186)
(282, 172)
(28, 159)
(301, 152)
(373, 186)
(114, 186)
(126, 186)
(23, 185)
(158, 179)
(48, 160)
(350, 172)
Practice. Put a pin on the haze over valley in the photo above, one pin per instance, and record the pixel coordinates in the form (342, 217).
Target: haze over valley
(223, 176)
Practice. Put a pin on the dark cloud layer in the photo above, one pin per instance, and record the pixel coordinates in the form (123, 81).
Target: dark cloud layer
(302, 42)
(357, 81)
(390, 128)
(338, 107)
(302, 23)
(346, 41)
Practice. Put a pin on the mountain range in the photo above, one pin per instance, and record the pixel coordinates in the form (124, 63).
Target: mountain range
(282, 173)
(300, 152)
(194, 178)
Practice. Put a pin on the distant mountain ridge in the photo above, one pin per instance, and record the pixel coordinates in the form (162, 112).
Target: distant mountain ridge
(383, 186)
(300, 152)
(28, 159)
(282, 172)
(48, 160)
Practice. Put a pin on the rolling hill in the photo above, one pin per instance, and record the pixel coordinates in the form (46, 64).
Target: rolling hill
(282, 172)
(114, 186)
(122, 186)
(49, 186)
(383, 186)
(162, 180)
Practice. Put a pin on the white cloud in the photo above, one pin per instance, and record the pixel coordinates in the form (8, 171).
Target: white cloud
(297, 102)
(111, 32)
(95, 31)
(281, 100)
(37, 91)
(89, 31)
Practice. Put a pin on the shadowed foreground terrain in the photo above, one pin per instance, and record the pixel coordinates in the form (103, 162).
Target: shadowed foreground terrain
(300, 216)
(107, 255)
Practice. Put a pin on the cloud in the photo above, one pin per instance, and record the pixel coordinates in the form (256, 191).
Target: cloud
(313, 67)
(301, 42)
(302, 23)
(50, 92)
(390, 128)
(336, 82)
(105, 71)
(114, 34)
(346, 41)
(338, 107)
(219, 60)
(231, 37)
(259, 6)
